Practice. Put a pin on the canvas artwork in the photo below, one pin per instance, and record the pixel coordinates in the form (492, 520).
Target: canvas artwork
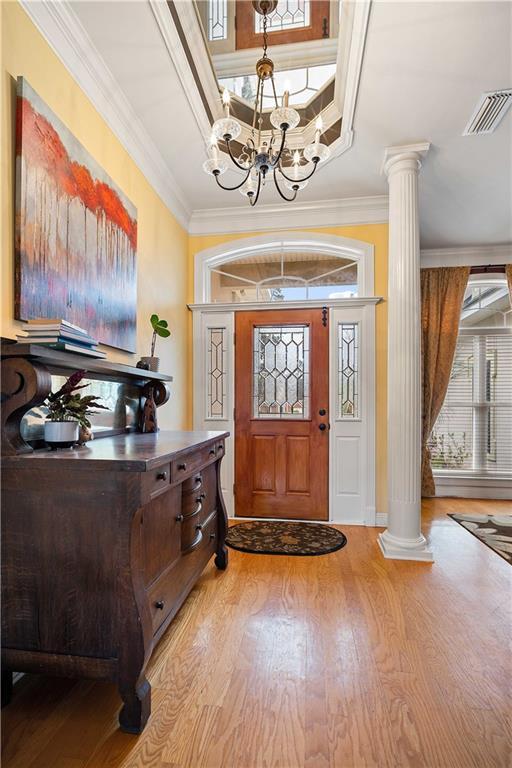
(76, 233)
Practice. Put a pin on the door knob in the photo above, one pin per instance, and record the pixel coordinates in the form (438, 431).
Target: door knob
(322, 427)
(322, 412)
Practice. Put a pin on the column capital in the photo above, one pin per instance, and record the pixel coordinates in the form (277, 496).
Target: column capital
(407, 155)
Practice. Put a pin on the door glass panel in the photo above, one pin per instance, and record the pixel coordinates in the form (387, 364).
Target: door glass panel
(348, 371)
(281, 372)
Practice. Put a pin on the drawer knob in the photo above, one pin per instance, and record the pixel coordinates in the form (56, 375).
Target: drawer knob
(199, 527)
(212, 452)
(219, 447)
(201, 497)
(161, 476)
(160, 605)
(179, 518)
(212, 536)
(182, 466)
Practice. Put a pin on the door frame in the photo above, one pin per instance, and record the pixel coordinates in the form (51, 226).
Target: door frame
(344, 507)
(361, 310)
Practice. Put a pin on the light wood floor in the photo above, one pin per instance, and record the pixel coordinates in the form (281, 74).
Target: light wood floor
(340, 661)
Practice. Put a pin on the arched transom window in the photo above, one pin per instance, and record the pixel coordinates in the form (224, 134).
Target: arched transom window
(284, 276)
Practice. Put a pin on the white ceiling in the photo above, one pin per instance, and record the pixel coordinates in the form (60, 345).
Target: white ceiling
(424, 68)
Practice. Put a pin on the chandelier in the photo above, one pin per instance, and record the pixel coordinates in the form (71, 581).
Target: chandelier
(262, 155)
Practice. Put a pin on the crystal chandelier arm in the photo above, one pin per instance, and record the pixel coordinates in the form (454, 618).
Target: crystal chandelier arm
(278, 158)
(257, 192)
(230, 189)
(288, 199)
(305, 178)
(242, 168)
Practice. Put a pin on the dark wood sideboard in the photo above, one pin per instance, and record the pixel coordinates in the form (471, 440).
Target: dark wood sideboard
(101, 544)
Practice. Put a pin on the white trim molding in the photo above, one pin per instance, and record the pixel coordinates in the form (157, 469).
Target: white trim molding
(64, 33)
(251, 306)
(467, 256)
(466, 485)
(317, 213)
(309, 242)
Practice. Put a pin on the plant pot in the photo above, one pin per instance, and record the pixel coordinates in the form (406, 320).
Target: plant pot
(151, 362)
(61, 434)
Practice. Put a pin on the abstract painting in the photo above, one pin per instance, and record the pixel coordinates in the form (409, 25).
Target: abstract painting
(76, 233)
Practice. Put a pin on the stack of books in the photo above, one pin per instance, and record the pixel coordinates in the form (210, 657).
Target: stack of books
(59, 334)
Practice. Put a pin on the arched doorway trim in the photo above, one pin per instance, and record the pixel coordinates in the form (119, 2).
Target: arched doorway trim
(308, 242)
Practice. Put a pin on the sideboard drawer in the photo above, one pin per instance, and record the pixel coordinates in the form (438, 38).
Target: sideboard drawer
(156, 481)
(190, 463)
(164, 594)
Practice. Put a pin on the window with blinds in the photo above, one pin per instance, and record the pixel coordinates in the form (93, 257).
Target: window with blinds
(473, 433)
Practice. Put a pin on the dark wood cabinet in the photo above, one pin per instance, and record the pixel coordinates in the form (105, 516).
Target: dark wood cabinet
(100, 547)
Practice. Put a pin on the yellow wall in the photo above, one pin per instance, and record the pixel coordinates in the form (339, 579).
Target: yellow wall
(165, 252)
(377, 235)
(162, 242)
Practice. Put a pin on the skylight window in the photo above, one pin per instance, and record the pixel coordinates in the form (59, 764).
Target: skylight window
(302, 84)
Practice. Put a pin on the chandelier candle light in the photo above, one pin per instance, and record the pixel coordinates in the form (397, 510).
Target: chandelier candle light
(264, 154)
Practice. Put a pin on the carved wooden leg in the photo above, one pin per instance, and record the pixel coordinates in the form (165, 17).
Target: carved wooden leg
(137, 706)
(6, 686)
(221, 558)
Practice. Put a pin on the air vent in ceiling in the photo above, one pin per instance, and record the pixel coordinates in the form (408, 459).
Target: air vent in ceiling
(489, 111)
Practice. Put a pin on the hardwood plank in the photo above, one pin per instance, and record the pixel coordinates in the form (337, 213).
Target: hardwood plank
(342, 661)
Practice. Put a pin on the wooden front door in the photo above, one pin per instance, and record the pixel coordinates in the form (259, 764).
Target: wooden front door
(281, 414)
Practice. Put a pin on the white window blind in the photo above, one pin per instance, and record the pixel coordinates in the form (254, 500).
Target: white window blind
(473, 432)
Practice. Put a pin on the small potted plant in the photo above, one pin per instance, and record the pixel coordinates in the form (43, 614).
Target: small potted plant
(68, 412)
(160, 328)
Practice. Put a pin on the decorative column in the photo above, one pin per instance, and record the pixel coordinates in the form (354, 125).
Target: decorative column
(403, 539)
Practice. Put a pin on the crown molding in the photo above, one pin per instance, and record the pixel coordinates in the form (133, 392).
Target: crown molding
(64, 33)
(467, 256)
(319, 213)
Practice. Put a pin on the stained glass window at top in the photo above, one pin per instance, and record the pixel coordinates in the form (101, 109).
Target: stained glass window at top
(289, 14)
(281, 372)
(217, 20)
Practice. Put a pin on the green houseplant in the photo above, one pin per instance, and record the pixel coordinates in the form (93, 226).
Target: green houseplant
(68, 412)
(160, 328)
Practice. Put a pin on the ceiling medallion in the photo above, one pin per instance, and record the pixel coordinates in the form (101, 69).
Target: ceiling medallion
(260, 157)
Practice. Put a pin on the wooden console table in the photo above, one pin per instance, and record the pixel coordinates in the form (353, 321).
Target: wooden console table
(102, 544)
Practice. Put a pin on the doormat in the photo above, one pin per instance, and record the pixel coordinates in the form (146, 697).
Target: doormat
(493, 530)
(284, 538)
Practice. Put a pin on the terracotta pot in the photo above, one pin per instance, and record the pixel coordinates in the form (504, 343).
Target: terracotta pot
(61, 434)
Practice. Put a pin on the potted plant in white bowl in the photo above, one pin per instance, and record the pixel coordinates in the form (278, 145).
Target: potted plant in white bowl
(68, 412)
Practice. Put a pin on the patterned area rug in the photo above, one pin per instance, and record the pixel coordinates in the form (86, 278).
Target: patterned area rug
(493, 530)
(283, 538)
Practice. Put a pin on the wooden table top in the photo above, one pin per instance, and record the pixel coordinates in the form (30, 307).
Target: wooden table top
(133, 452)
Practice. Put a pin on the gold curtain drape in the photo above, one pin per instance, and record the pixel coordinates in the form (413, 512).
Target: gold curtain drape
(442, 293)
(508, 271)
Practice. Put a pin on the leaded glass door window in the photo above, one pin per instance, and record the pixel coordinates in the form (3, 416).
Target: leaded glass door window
(281, 372)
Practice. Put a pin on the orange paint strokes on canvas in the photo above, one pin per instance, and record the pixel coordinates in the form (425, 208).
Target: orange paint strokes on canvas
(43, 148)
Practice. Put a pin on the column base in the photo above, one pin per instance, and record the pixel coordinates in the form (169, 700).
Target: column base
(405, 549)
